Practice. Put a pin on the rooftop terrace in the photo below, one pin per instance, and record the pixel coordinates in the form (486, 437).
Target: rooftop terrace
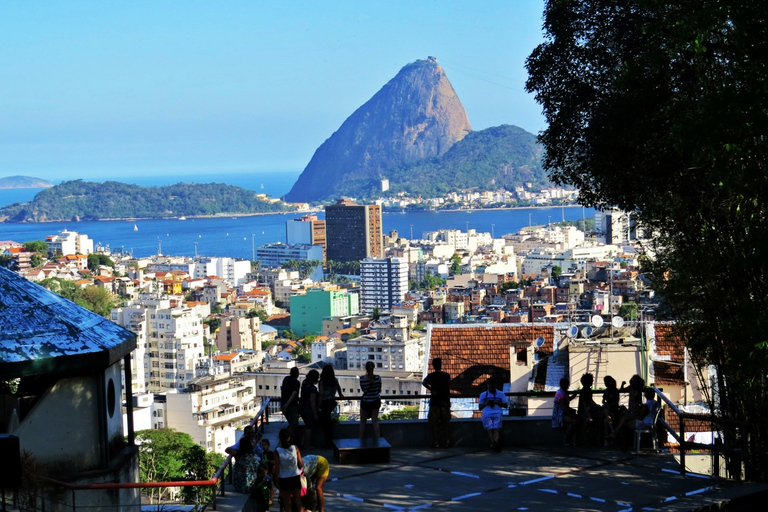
(542, 477)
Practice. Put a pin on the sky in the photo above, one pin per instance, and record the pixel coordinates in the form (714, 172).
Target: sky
(103, 89)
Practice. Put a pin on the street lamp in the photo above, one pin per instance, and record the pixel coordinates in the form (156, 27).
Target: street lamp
(411, 231)
(492, 225)
(195, 249)
(253, 247)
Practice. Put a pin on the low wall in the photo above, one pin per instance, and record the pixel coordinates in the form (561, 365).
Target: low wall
(464, 432)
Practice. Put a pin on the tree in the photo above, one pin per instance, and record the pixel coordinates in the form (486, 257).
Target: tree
(97, 260)
(628, 311)
(213, 323)
(658, 108)
(36, 260)
(557, 271)
(38, 246)
(376, 313)
(97, 299)
(162, 457)
(431, 282)
(455, 264)
(199, 465)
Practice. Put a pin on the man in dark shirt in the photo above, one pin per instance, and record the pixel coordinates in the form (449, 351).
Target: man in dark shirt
(289, 397)
(439, 385)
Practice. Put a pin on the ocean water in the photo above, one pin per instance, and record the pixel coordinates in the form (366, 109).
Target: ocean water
(239, 236)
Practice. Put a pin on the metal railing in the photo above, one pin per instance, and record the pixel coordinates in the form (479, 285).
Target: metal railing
(217, 481)
(733, 457)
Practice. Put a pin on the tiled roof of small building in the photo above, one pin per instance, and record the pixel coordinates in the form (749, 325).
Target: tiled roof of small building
(41, 332)
(471, 353)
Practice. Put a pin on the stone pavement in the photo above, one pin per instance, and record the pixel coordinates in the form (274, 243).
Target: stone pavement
(545, 478)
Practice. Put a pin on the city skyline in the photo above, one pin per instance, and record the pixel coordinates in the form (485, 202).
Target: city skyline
(98, 90)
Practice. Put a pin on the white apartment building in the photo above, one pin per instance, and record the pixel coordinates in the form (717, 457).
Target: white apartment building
(388, 354)
(69, 242)
(169, 343)
(383, 283)
(391, 349)
(459, 240)
(231, 270)
(213, 408)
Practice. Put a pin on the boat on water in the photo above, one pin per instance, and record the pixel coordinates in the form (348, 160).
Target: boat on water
(135, 227)
(182, 218)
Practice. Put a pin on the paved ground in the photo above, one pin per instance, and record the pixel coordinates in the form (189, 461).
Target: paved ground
(546, 478)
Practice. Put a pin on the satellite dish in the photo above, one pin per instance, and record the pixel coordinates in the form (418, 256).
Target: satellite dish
(597, 321)
(617, 322)
(588, 330)
(539, 342)
(572, 331)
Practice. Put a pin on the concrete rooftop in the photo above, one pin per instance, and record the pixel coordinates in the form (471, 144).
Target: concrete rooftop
(531, 478)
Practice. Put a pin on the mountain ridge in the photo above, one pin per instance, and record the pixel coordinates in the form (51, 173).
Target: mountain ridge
(416, 115)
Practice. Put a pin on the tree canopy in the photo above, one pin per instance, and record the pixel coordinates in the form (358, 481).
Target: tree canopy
(659, 108)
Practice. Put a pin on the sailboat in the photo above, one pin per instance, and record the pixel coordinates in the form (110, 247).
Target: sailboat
(135, 227)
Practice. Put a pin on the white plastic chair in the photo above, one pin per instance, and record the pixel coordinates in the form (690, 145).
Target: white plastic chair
(653, 432)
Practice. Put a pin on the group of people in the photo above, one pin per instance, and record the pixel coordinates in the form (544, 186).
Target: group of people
(258, 470)
(610, 417)
(313, 400)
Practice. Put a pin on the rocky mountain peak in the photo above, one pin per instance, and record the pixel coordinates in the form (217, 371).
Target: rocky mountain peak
(416, 115)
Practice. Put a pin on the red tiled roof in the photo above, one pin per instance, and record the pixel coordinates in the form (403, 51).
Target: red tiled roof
(670, 342)
(472, 353)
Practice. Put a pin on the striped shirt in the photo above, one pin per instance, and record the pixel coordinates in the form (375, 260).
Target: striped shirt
(371, 390)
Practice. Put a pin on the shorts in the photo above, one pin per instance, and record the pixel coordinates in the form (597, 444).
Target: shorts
(292, 483)
(323, 468)
(370, 406)
(439, 414)
(492, 422)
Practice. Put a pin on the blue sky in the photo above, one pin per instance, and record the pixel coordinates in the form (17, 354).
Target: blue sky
(105, 88)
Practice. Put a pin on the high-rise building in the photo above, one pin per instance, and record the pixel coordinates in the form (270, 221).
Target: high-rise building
(383, 283)
(306, 231)
(169, 343)
(353, 231)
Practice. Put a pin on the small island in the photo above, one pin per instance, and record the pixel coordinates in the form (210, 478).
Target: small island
(11, 182)
(83, 200)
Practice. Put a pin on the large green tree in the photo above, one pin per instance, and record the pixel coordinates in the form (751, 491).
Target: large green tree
(660, 108)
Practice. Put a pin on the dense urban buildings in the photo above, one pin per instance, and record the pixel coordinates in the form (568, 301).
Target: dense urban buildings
(353, 232)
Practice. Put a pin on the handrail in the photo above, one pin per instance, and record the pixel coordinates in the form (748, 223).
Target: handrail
(212, 482)
(688, 445)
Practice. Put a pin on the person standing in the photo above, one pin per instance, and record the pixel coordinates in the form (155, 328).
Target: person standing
(308, 406)
(288, 464)
(329, 388)
(563, 416)
(439, 385)
(491, 403)
(371, 402)
(289, 398)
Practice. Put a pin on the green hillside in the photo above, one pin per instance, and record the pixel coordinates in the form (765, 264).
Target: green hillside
(83, 200)
(500, 157)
